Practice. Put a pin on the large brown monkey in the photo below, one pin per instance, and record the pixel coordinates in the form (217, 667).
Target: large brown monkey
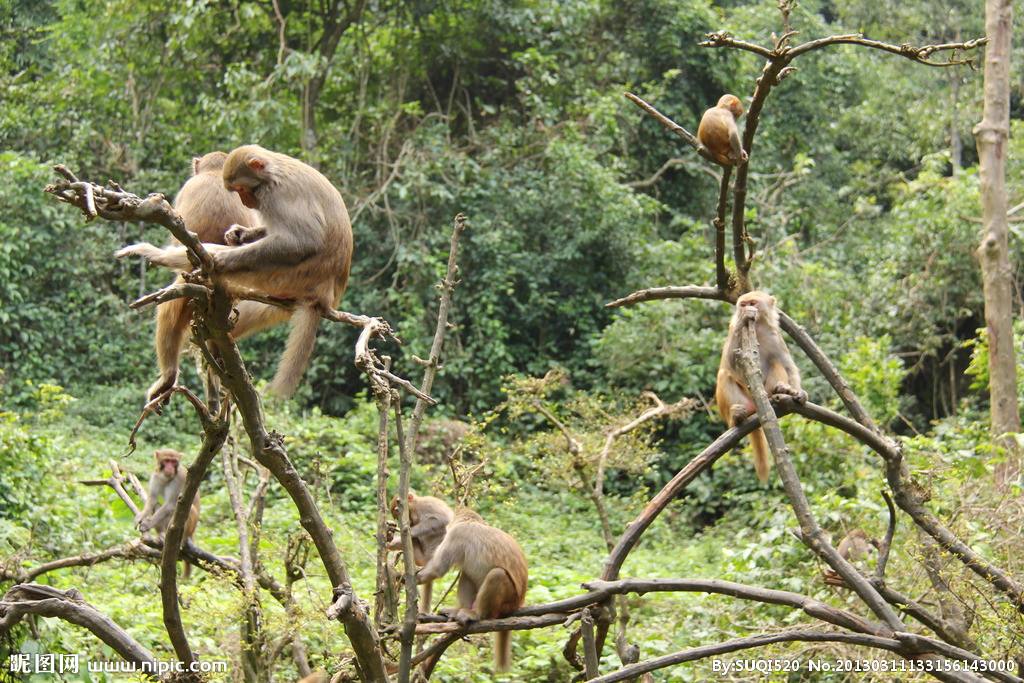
(429, 517)
(208, 210)
(781, 375)
(302, 251)
(494, 574)
(718, 131)
(166, 482)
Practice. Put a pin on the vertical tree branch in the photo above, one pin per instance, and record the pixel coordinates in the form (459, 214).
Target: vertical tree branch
(993, 253)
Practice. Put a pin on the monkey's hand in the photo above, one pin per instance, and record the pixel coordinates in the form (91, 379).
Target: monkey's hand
(238, 235)
(748, 312)
(144, 524)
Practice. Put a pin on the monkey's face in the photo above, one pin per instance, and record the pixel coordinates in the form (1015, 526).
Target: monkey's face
(168, 467)
(246, 179)
(246, 195)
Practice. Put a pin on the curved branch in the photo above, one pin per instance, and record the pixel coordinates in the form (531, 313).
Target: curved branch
(69, 605)
(655, 293)
(917, 54)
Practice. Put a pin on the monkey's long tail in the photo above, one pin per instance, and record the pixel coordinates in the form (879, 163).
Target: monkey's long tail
(762, 459)
(297, 353)
(502, 651)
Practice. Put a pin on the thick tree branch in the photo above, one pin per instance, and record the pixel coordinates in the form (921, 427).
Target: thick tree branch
(69, 605)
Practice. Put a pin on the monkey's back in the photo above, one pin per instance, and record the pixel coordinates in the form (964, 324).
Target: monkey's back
(714, 132)
(209, 209)
(487, 548)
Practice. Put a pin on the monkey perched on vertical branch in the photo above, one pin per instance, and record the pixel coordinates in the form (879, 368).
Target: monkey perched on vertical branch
(718, 131)
(429, 518)
(780, 373)
(302, 252)
(165, 483)
(494, 575)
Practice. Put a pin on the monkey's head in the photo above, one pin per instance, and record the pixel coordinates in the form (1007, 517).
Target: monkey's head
(732, 103)
(167, 461)
(396, 512)
(212, 161)
(247, 170)
(761, 302)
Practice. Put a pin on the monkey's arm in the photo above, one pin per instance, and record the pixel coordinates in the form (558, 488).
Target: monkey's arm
(735, 146)
(440, 563)
(428, 525)
(272, 252)
(152, 501)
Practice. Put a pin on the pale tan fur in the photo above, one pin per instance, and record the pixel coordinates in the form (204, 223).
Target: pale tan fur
(781, 376)
(165, 483)
(429, 518)
(302, 251)
(493, 579)
(718, 131)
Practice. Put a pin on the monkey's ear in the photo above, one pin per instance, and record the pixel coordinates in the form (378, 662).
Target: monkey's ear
(772, 299)
(257, 164)
(195, 164)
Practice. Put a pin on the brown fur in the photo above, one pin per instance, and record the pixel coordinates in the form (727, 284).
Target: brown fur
(429, 517)
(781, 375)
(165, 482)
(302, 252)
(718, 131)
(493, 579)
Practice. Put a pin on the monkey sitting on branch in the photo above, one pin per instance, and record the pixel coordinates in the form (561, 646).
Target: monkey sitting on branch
(302, 252)
(780, 373)
(718, 132)
(493, 579)
(166, 483)
(429, 518)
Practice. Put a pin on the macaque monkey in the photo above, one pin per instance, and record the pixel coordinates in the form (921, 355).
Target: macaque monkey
(718, 131)
(166, 482)
(856, 545)
(303, 250)
(781, 375)
(208, 210)
(493, 579)
(429, 517)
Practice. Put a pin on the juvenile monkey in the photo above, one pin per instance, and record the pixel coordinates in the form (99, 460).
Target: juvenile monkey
(781, 375)
(303, 250)
(166, 482)
(429, 517)
(856, 545)
(718, 131)
(494, 574)
(208, 210)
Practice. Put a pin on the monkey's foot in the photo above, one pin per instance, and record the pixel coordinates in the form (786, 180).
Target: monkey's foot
(738, 413)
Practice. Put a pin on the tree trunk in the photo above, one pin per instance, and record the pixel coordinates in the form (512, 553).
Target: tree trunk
(991, 136)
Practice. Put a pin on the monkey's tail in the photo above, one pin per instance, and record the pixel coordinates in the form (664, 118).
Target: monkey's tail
(426, 603)
(762, 460)
(502, 651)
(297, 353)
